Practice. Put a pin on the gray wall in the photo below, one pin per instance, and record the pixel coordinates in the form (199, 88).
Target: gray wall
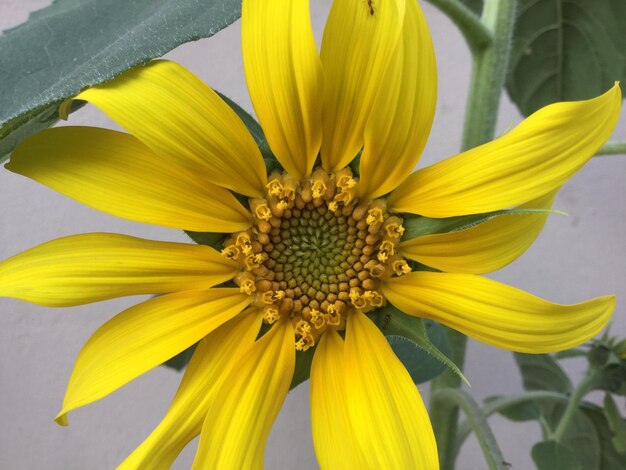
(575, 258)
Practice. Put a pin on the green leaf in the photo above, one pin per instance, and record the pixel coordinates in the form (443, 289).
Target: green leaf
(611, 458)
(421, 345)
(581, 437)
(588, 437)
(180, 361)
(302, 372)
(550, 455)
(87, 43)
(566, 50)
(541, 372)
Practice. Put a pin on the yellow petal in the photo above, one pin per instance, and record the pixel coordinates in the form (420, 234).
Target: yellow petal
(144, 336)
(485, 247)
(247, 402)
(333, 437)
(387, 414)
(180, 118)
(536, 157)
(87, 268)
(403, 112)
(116, 173)
(213, 357)
(285, 81)
(498, 314)
(359, 40)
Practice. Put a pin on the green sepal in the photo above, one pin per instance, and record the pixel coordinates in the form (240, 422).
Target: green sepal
(418, 226)
(607, 359)
(421, 345)
(355, 164)
(257, 133)
(214, 240)
(569, 353)
(180, 361)
(302, 371)
(35, 79)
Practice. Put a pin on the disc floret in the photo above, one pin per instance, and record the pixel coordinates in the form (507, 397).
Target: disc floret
(316, 252)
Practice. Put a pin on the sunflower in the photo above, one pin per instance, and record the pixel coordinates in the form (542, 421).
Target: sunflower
(313, 246)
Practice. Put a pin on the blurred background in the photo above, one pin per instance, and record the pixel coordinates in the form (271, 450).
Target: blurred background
(576, 257)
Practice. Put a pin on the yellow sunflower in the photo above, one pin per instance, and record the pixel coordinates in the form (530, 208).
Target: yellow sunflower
(312, 249)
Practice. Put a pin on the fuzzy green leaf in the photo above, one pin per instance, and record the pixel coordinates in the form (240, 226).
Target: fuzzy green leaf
(74, 44)
(541, 372)
(566, 50)
(550, 455)
(610, 457)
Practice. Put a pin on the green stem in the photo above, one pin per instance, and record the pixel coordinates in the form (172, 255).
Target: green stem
(444, 418)
(487, 80)
(612, 148)
(503, 403)
(476, 34)
(478, 421)
(572, 406)
(488, 74)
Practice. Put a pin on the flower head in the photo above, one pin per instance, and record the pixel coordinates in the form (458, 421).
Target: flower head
(312, 248)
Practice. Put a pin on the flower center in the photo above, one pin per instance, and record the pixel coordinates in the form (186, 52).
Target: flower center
(316, 252)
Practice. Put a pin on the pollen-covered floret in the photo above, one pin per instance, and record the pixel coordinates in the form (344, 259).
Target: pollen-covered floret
(316, 252)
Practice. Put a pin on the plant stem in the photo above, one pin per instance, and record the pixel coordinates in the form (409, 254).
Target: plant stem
(478, 422)
(487, 80)
(503, 403)
(572, 406)
(444, 418)
(488, 74)
(612, 148)
(476, 34)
